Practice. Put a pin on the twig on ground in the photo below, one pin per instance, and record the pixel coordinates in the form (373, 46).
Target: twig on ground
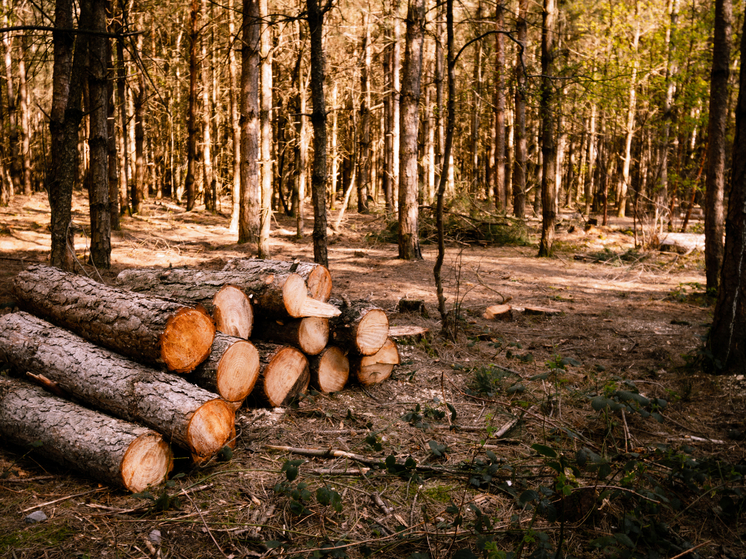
(65, 498)
(220, 549)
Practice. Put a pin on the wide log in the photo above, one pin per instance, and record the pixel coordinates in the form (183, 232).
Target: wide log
(148, 329)
(360, 327)
(229, 305)
(285, 375)
(310, 335)
(281, 294)
(372, 369)
(184, 413)
(231, 369)
(317, 277)
(330, 370)
(111, 450)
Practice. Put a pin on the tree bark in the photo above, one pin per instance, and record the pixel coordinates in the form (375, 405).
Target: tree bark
(147, 329)
(317, 277)
(727, 338)
(409, 242)
(235, 126)
(330, 370)
(98, 141)
(310, 335)
(16, 166)
(716, 144)
(184, 413)
(500, 192)
(373, 369)
(25, 129)
(548, 121)
(231, 370)
(285, 375)
(630, 124)
(208, 115)
(364, 188)
(521, 148)
(121, 453)
(265, 118)
(189, 182)
(360, 327)
(318, 120)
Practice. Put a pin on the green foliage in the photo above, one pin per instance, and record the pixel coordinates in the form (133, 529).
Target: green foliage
(492, 380)
(630, 400)
(163, 501)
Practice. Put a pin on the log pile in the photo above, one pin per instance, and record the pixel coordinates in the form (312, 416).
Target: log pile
(169, 355)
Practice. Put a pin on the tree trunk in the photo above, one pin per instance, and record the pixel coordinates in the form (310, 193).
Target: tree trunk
(591, 160)
(98, 140)
(285, 375)
(716, 144)
(208, 114)
(318, 120)
(111, 146)
(25, 130)
(360, 327)
(500, 192)
(330, 370)
(123, 119)
(16, 166)
(548, 109)
(265, 118)
(310, 335)
(630, 124)
(148, 329)
(186, 414)
(521, 148)
(248, 224)
(231, 370)
(409, 242)
(476, 108)
(121, 453)
(372, 369)
(189, 182)
(364, 189)
(235, 126)
(317, 277)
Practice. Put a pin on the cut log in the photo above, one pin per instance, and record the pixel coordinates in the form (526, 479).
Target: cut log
(111, 450)
(372, 369)
(229, 306)
(317, 277)
(415, 333)
(310, 335)
(147, 329)
(281, 294)
(184, 413)
(360, 327)
(330, 370)
(499, 312)
(231, 370)
(284, 376)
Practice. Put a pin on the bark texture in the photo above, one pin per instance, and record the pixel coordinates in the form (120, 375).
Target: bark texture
(145, 328)
(184, 413)
(317, 277)
(109, 449)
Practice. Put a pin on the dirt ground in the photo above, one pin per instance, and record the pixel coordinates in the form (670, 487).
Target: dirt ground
(628, 322)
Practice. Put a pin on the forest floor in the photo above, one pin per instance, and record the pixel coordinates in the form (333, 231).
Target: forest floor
(614, 443)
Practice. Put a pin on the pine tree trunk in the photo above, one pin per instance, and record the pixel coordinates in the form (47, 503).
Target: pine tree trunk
(521, 147)
(147, 329)
(184, 413)
(364, 188)
(121, 453)
(500, 192)
(265, 117)
(25, 129)
(15, 167)
(548, 110)
(190, 186)
(235, 125)
(208, 115)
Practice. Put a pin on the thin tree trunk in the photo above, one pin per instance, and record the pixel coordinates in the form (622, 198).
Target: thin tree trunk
(409, 243)
(265, 119)
(121, 80)
(15, 167)
(476, 107)
(363, 184)
(248, 224)
(208, 115)
(439, 107)
(716, 146)
(114, 207)
(548, 110)
(189, 182)
(141, 186)
(500, 192)
(235, 126)
(519, 130)
(25, 130)
(591, 160)
(630, 125)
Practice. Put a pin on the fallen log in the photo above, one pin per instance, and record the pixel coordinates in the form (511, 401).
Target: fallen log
(281, 294)
(185, 414)
(360, 327)
(330, 370)
(372, 369)
(111, 450)
(231, 369)
(148, 329)
(310, 335)
(284, 375)
(317, 277)
(229, 306)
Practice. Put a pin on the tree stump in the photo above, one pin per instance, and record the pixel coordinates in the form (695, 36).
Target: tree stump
(317, 277)
(145, 328)
(360, 327)
(284, 376)
(111, 450)
(310, 335)
(184, 413)
(330, 370)
(372, 369)
(231, 369)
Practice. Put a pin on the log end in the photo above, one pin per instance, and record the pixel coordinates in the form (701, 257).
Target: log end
(332, 371)
(372, 332)
(233, 314)
(238, 371)
(211, 427)
(313, 335)
(286, 376)
(187, 339)
(294, 295)
(372, 369)
(319, 283)
(146, 463)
